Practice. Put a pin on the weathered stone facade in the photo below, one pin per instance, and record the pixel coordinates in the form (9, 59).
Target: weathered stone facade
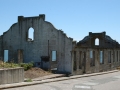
(69, 56)
(89, 58)
(46, 39)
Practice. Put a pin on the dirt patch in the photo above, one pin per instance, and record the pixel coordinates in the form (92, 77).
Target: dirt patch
(36, 72)
(118, 68)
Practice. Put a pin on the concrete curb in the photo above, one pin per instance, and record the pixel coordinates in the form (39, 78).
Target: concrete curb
(49, 77)
(14, 85)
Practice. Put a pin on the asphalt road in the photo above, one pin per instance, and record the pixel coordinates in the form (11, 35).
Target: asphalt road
(109, 81)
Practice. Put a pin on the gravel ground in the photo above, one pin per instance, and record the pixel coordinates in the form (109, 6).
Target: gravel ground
(35, 73)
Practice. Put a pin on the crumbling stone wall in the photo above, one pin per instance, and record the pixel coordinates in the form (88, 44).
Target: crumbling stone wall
(17, 42)
(71, 57)
(85, 62)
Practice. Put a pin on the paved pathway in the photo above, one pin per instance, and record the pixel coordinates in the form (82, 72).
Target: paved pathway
(109, 81)
(49, 77)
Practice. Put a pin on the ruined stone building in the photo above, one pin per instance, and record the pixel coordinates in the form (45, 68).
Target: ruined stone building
(90, 57)
(47, 42)
(51, 48)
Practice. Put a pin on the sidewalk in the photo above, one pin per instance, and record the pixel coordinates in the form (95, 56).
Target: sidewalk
(49, 77)
(52, 78)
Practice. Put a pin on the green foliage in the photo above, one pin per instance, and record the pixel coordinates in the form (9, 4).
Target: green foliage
(9, 65)
(28, 80)
(26, 65)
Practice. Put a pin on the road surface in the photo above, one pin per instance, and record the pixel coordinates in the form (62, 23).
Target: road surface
(109, 81)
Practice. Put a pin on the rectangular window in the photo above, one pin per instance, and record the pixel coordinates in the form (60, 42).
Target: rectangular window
(113, 56)
(54, 55)
(92, 58)
(109, 56)
(80, 66)
(74, 65)
(5, 55)
(91, 54)
(117, 56)
(101, 57)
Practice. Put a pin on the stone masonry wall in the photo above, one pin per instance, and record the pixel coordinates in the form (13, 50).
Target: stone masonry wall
(109, 63)
(16, 39)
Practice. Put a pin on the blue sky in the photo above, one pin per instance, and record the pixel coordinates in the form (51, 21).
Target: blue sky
(75, 17)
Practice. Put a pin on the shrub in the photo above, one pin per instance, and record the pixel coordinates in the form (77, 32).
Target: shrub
(9, 65)
(28, 80)
(26, 66)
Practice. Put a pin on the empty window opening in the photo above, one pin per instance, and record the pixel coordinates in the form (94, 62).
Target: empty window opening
(84, 55)
(80, 65)
(30, 34)
(96, 41)
(92, 58)
(109, 56)
(113, 56)
(84, 59)
(84, 62)
(91, 54)
(75, 65)
(101, 57)
(117, 56)
(54, 55)
(5, 55)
